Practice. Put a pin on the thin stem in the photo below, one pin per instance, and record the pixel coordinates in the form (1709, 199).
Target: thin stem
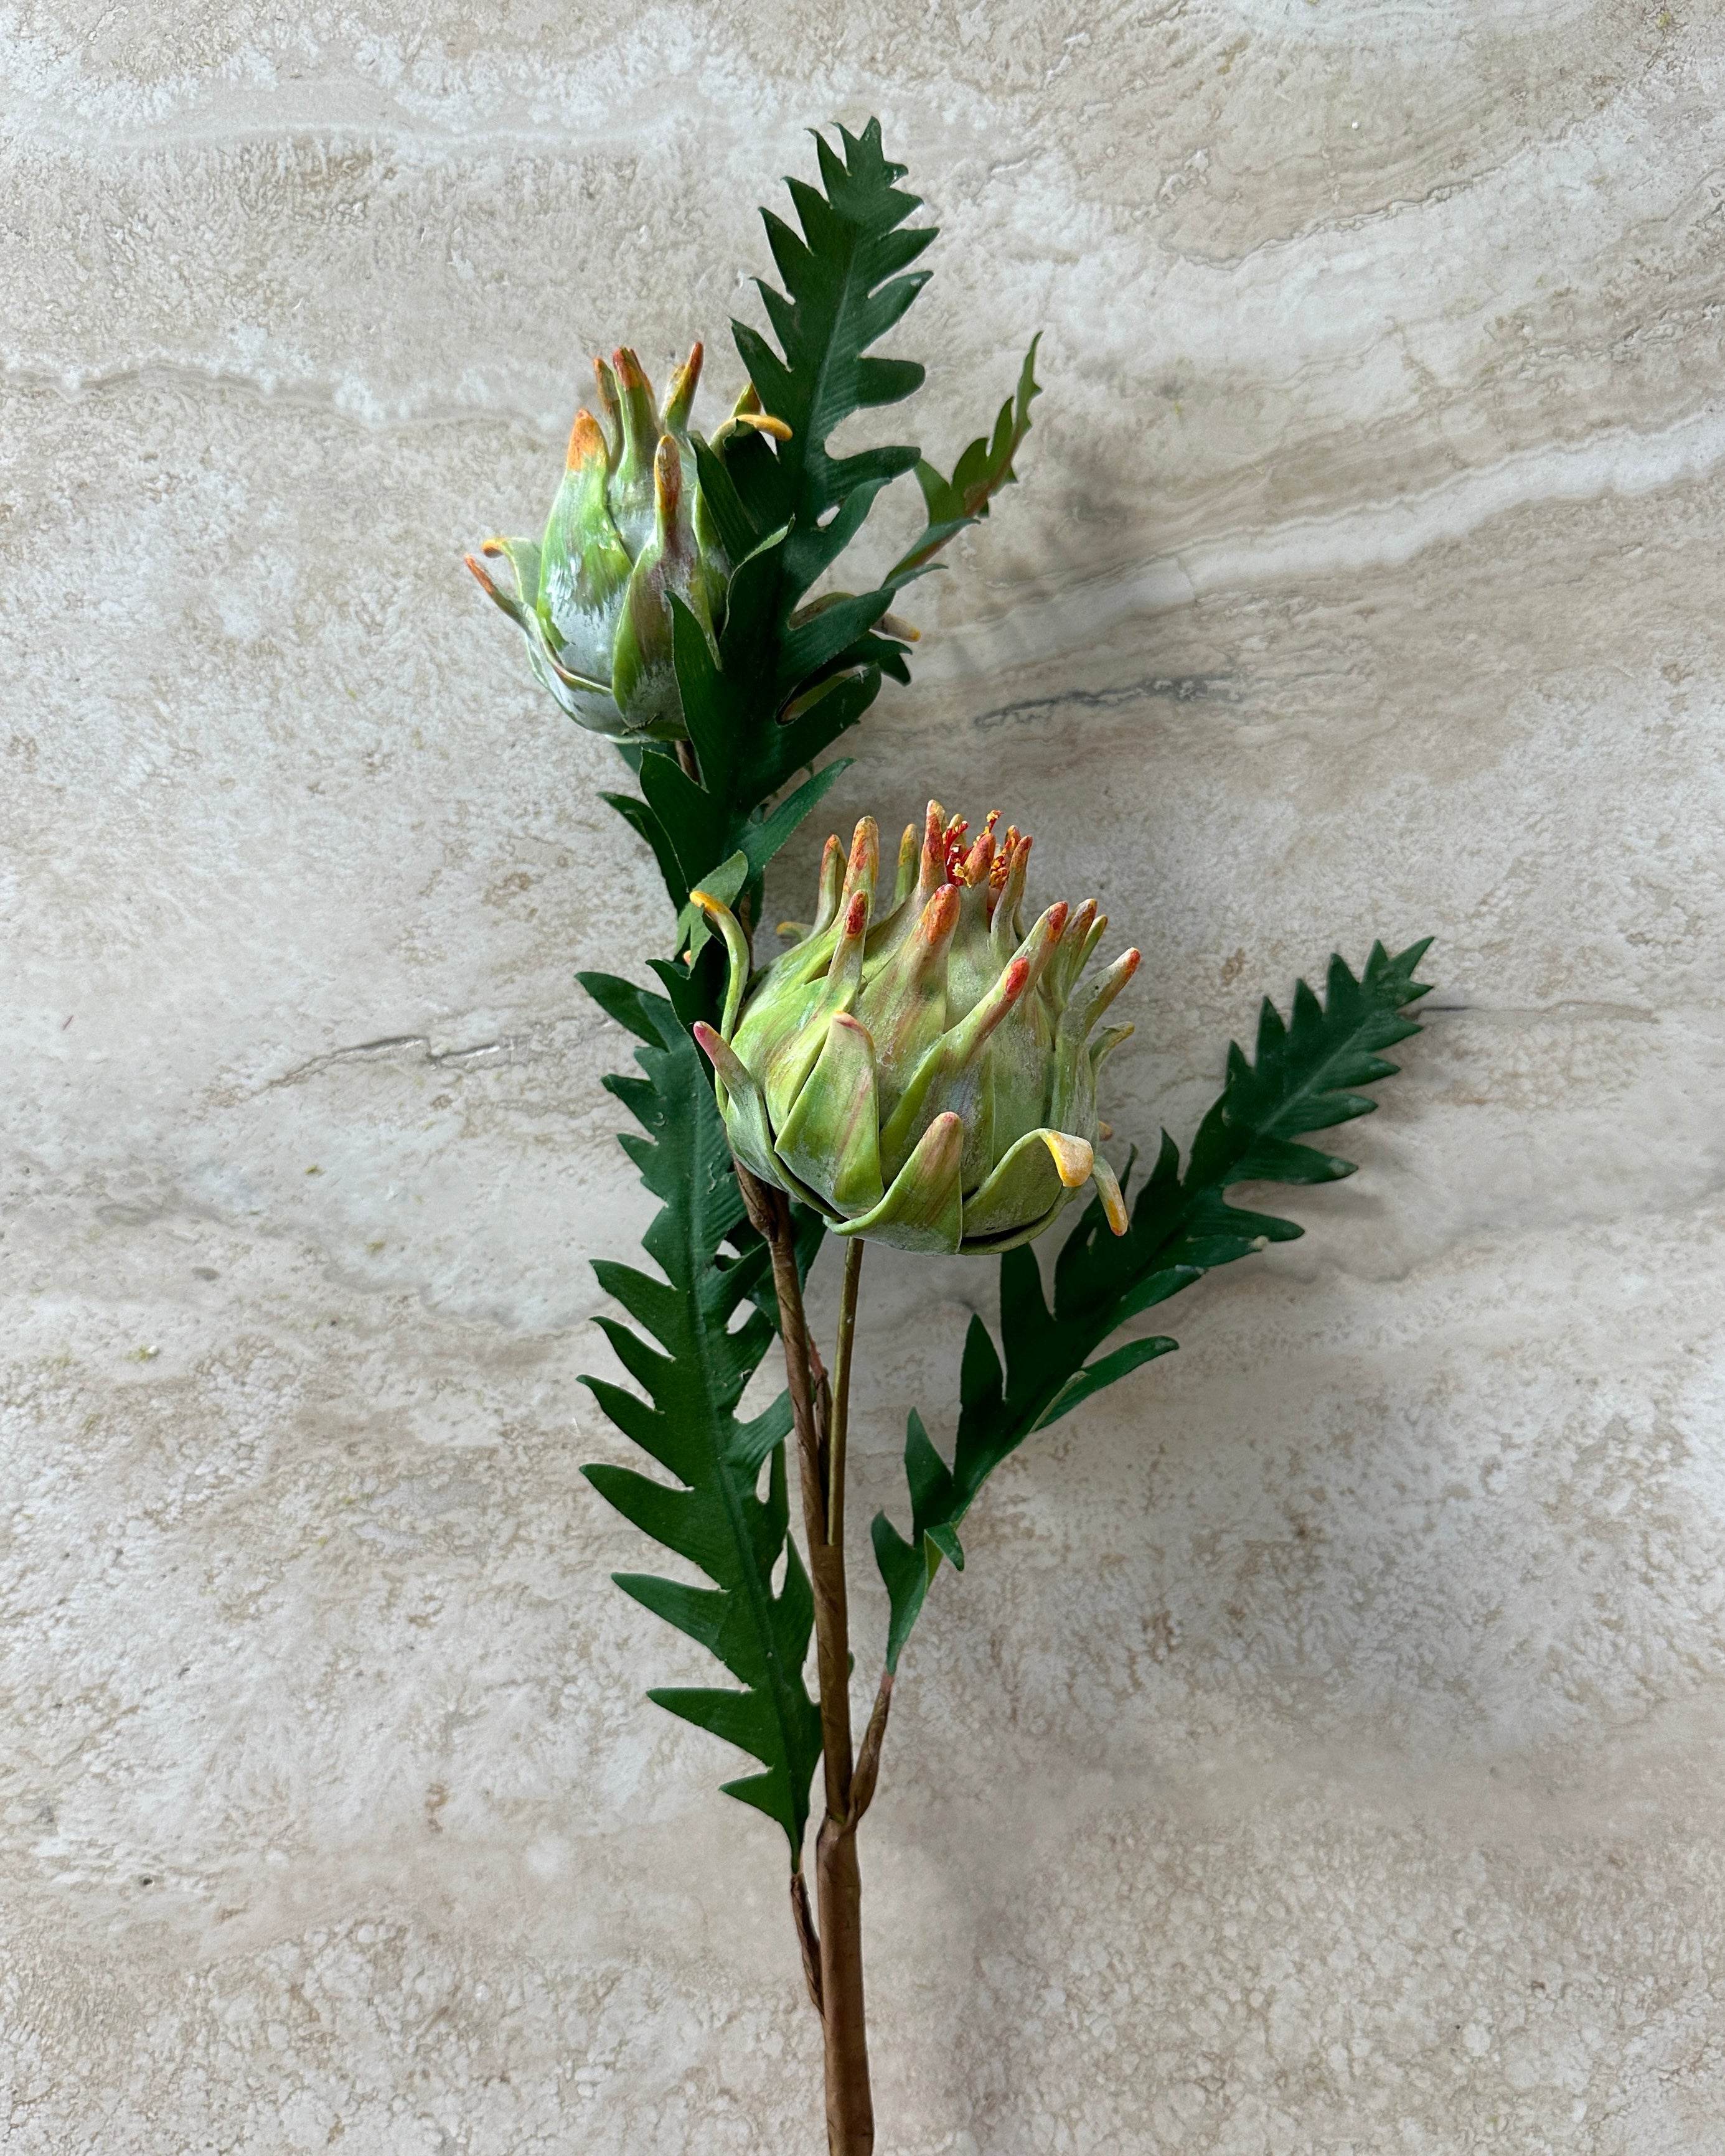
(837, 1878)
(686, 760)
(840, 1426)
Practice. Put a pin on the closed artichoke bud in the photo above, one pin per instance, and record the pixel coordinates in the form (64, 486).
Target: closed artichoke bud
(628, 531)
(919, 1067)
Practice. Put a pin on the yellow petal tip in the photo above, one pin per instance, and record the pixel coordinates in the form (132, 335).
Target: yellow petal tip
(1112, 1196)
(1074, 1158)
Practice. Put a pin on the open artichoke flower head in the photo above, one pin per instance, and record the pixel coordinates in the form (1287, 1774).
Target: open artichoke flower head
(922, 1070)
(628, 527)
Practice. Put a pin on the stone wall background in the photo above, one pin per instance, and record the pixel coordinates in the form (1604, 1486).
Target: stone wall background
(1322, 1750)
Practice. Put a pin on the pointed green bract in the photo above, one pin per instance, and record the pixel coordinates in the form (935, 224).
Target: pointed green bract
(920, 1068)
(670, 600)
(1304, 1078)
(624, 535)
(693, 1365)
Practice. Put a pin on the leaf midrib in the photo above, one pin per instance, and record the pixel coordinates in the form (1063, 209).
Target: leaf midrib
(856, 238)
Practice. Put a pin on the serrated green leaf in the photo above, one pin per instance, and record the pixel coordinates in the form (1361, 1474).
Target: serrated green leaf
(641, 819)
(693, 1365)
(984, 468)
(1182, 1227)
(847, 281)
(788, 679)
(1107, 1370)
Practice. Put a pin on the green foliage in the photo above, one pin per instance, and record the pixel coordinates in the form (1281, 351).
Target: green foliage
(793, 675)
(789, 681)
(693, 1378)
(1182, 1228)
(979, 475)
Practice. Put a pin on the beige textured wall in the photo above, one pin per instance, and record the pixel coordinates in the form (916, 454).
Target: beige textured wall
(1323, 1750)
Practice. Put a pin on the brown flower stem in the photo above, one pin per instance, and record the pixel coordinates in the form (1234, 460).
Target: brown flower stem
(808, 1942)
(868, 1759)
(816, 1411)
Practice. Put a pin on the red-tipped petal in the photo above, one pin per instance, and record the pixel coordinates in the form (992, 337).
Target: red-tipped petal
(863, 864)
(708, 1039)
(979, 861)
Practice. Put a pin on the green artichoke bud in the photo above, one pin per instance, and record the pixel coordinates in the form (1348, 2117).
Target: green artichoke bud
(919, 1069)
(627, 528)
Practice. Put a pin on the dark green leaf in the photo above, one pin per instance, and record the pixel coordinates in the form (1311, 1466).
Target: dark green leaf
(693, 1366)
(984, 468)
(845, 285)
(1182, 1227)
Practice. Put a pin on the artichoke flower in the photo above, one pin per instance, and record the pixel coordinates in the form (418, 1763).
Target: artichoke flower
(628, 526)
(918, 1067)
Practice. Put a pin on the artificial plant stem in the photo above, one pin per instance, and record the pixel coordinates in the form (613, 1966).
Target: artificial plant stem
(841, 1393)
(771, 1214)
(837, 1876)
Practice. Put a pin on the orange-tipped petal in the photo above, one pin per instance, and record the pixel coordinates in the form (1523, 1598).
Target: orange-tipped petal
(680, 393)
(629, 372)
(587, 442)
(978, 862)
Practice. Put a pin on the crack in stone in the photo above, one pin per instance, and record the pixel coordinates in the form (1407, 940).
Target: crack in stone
(1171, 688)
(389, 1045)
